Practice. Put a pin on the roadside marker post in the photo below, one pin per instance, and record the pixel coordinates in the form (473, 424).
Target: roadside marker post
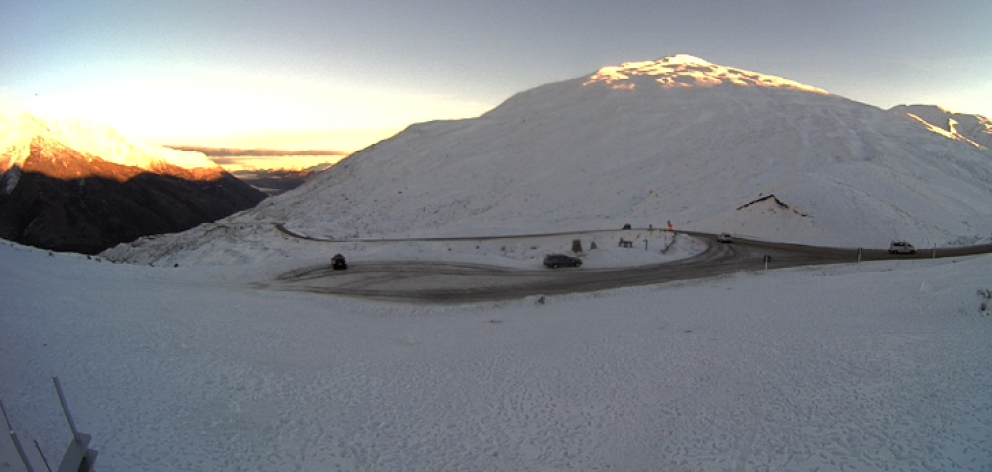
(42, 454)
(78, 457)
(17, 442)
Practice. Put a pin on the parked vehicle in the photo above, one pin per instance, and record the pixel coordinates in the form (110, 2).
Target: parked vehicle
(901, 247)
(555, 261)
(338, 262)
(725, 238)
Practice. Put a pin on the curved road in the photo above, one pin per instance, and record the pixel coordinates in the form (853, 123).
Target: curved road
(452, 282)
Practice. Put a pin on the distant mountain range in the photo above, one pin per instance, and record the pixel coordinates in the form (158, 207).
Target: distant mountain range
(228, 152)
(678, 139)
(279, 164)
(74, 186)
(266, 169)
(278, 181)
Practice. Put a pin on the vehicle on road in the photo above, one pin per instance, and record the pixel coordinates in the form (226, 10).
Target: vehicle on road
(901, 247)
(725, 238)
(338, 262)
(555, 261)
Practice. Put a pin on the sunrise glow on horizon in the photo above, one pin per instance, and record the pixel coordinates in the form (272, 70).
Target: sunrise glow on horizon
(244, 111)
(343, 76)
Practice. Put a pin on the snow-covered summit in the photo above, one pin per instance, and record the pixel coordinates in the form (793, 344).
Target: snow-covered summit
(684, 70)
(19, 131)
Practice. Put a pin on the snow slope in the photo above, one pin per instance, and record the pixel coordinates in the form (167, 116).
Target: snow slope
(974, 129)
(191, 369)
(678, 139)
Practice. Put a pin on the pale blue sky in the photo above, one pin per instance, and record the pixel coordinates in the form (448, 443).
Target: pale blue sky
(342, 74)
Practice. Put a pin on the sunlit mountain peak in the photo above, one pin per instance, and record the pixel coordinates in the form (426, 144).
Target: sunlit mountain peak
(686, 59)
(22, 135)
(687, 71)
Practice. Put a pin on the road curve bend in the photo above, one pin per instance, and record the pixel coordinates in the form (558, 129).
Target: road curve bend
(453, 282)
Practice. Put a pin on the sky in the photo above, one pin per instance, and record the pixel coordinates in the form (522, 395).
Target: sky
(341, 75)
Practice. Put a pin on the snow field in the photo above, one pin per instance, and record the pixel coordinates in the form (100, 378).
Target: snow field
(880, 366)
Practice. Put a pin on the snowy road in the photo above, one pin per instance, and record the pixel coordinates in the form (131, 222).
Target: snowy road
(452, 282)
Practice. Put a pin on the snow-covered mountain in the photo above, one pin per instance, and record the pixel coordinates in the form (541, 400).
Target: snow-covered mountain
(74, 186)
(678, 139)
(975, 129)
(19, 132)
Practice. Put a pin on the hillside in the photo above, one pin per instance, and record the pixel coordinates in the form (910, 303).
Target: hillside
(974, 129)
(678, 139)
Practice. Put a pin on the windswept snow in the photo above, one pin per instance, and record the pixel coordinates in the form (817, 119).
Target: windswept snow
(191, 369)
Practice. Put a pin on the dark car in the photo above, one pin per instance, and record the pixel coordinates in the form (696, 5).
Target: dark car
(338, 262)
(555, 261)
(725, 238)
